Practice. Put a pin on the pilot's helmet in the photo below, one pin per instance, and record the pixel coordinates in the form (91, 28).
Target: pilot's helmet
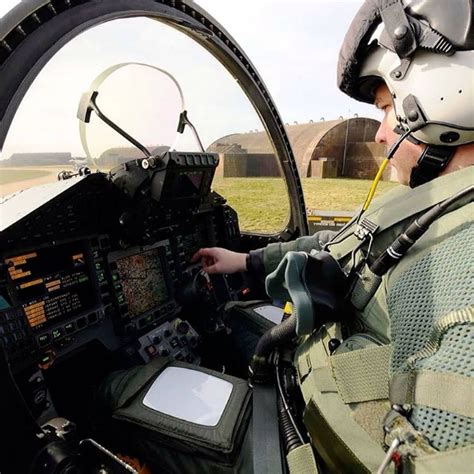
(423, 50)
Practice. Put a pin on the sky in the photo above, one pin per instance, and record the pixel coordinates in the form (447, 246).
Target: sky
(293, 44)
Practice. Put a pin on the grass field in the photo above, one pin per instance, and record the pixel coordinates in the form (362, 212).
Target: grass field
(262, 203)
(12, 175)
(20, 178)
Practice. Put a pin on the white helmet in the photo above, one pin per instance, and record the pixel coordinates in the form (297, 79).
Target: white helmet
(424, 53)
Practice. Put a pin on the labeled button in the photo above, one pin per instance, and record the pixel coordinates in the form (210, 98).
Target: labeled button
(149, 318)
(174, 342)
(43, 339)
(151, 350)
(69, 328)
(121, 298)
(57, 333)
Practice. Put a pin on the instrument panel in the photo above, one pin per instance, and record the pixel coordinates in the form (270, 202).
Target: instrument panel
(116, 272)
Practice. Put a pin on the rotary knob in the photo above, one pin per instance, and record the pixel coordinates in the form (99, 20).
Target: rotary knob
(182, 327)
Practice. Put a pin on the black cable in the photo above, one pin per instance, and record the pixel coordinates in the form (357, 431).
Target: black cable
(292, 438)
(415, 230)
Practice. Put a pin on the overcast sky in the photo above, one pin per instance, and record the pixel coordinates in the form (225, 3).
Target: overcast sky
(293, 44)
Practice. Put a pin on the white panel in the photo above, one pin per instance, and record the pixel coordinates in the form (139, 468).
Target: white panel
(270, 312)
(189, 395)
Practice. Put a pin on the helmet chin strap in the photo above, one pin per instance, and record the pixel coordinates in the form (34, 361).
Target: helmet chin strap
(431, 163)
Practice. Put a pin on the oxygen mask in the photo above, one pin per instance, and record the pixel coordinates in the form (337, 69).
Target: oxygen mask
(316, 285)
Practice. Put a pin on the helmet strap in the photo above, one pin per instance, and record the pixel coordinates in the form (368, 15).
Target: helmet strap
(432, 161)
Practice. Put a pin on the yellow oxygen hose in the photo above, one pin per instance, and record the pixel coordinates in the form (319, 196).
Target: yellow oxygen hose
(375, 182)
(384, 164)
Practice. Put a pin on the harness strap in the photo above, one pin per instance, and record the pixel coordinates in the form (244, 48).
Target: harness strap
(458, 460)
(440, 326)
(450, 392)
(401, 204)
(367, 283)
(362, 375)
(301, 460)
(435, 389)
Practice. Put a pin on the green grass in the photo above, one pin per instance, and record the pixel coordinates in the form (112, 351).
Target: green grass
(10, 176)
(262, 203)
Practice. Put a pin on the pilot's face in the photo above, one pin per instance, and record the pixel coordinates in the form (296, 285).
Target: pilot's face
(408, 153)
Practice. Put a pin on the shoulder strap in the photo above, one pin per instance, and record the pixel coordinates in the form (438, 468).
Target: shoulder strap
(403, 203)
(445, 391)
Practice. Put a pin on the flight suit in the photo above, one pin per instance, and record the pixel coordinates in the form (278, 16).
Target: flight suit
(408, 341)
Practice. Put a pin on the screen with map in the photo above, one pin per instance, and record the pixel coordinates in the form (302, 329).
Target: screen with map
(144, 286)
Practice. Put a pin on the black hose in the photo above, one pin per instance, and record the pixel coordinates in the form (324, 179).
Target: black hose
(290, 437)
(259, 369)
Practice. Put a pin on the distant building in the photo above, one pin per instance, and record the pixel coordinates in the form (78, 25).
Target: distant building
(37, 159)
(344, 148)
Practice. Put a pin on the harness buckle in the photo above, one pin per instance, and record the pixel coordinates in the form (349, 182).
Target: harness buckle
(365, 228)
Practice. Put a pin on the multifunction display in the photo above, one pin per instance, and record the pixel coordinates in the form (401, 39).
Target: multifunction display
(53, 283)
(142, 281)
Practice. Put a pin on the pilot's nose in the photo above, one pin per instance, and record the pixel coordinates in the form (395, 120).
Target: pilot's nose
(381, 135)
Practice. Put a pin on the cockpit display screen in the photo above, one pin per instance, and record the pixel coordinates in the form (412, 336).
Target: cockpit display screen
(52, 283)
(142, 281)
(183, 184)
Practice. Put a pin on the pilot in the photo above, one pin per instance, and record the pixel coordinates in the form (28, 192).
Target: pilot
(418, 69)
(394, 384)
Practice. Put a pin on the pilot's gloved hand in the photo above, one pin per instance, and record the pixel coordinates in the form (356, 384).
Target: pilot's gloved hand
(219, 260)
